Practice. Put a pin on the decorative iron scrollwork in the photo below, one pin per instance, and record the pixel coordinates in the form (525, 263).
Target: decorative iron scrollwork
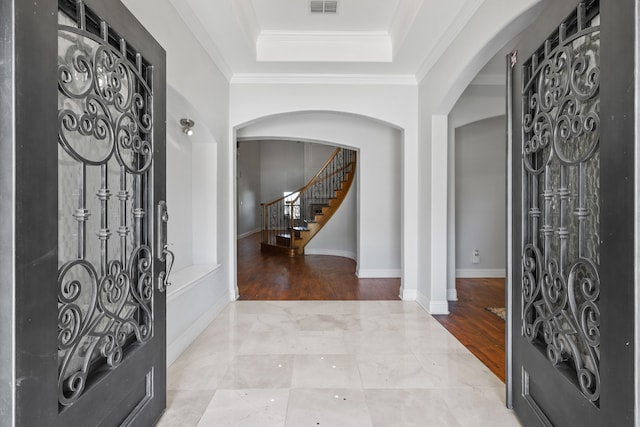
(560, 158)
(105, 288)
(107, 102)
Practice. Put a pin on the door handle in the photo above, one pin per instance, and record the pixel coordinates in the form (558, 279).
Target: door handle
(163, 252)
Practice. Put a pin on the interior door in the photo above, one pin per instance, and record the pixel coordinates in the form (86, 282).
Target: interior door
(89, 147)
(572, 299)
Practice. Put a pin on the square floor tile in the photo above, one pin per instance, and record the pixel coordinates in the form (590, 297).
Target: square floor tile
(377, 342)
(325, 371)
(393, 371)
(327, 408)
(320, 342)
(458, 370)
(185, 408)
(246, 408)
(197, 373)
(254, 372)
(463, 407)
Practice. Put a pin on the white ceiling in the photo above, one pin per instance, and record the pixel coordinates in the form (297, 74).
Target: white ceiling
(353, 15)
(392, 38)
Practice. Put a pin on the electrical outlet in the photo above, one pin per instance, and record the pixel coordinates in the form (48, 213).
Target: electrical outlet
(475, 257)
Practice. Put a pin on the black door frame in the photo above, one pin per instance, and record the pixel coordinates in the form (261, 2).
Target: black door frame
(620, 237)
(29, 207)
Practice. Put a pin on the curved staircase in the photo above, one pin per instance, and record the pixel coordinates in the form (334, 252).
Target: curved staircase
(290, 222)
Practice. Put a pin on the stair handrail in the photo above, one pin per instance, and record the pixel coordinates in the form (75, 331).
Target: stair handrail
(322, 188)
(313, 180)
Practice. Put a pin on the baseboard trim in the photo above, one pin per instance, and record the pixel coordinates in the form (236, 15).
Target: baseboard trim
(408, 294)
(184, 340)
(432, 307)
(480, 272)
(248, 233)
(439, 307)
(331, 252)
(188, 277)
(452, 295)
(378, 274)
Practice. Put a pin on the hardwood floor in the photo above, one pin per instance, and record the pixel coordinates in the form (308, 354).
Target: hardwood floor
(266, 276)
(482, 332)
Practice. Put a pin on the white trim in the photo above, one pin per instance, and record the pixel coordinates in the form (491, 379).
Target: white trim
(184, 279)
(324, 46)
(378, 274)
(481, 272)
(247, 18)
(197, 28)
(423, 301)
(432, 307)
(331, 252)
(448, 36)
(184, 340)
(488, 80)
(439, 307)
(409, 294)
(452, 295)
(248, 233)
(320, 79)
(402, 22)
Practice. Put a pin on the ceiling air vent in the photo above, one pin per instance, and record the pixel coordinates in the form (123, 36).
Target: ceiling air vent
(323, 6)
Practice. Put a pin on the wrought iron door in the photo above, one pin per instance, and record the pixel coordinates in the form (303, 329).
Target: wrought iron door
(90, 315)
(567, 290)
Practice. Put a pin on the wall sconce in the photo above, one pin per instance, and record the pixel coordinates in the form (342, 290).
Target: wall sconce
(187, 126)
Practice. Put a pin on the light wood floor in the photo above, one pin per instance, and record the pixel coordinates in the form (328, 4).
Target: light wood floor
(264, 276)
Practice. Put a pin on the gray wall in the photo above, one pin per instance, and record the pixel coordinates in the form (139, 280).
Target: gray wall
(480, 197)
(281, 168)
(249, 216)
(376, 238)
(267, 168)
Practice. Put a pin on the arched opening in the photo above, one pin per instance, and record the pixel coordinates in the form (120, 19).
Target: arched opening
(369, 227)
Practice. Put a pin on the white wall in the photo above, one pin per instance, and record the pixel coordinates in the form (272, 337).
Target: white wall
(179, 160)
(481, 197)
(478, 102)
(288, 165)
(339, 236)
(249, 217)
(315, 156)
(198, 227)
(379, 181)
(494, 24)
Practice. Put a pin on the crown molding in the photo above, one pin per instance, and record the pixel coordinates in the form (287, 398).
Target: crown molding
(324, 46)
(403, 20)
(195, 26)
(248, 20)
(448, 36)
(330, 79)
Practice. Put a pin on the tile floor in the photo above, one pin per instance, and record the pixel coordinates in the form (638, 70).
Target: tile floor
(333, 364)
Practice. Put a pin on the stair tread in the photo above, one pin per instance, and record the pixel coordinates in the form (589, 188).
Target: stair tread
(321, 208)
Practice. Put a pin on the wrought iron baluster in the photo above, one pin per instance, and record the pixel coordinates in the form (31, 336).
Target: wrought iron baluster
(563, 229)
(82, 213)
(103, 234)
(582, 212)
